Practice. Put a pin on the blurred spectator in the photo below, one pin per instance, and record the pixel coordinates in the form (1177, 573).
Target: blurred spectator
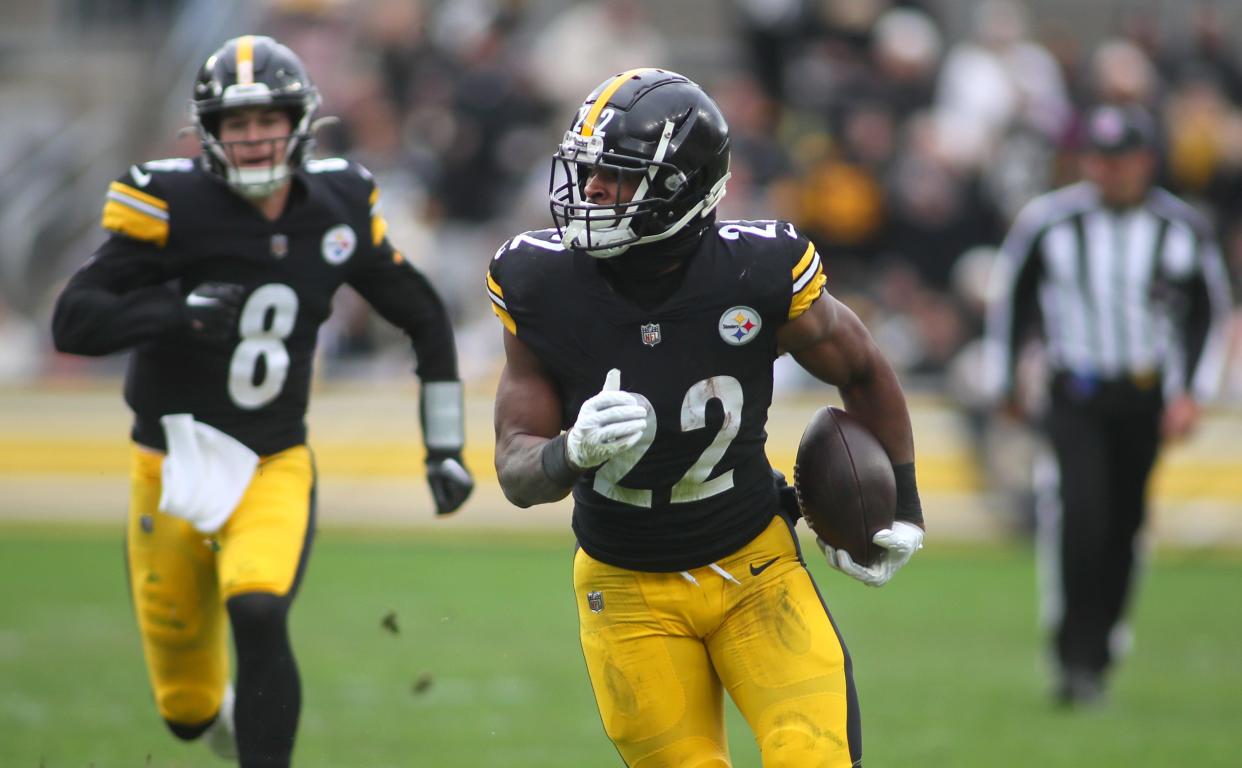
(588, 41)
(1121, 73)
(996, 80)
(762, 179)
(906, 50)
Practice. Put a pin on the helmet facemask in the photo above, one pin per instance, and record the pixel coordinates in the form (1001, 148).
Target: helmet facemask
(608, 230)
(257, 182)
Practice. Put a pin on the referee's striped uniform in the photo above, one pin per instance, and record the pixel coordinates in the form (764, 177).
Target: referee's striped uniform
(1133, 305)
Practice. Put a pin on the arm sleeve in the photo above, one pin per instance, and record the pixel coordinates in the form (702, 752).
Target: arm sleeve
(116, 300)
(1012, 307)
(1204, 331)
(404, 297)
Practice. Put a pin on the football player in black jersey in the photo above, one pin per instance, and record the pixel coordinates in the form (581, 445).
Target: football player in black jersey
(217, 273)
(640, 335)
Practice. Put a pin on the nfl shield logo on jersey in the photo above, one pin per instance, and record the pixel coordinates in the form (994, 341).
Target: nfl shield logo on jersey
(595, 601)
(651, 334)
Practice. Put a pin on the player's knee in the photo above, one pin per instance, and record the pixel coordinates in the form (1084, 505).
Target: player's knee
(691, 752)
(804, 748)
(187, 711)
(257, 613)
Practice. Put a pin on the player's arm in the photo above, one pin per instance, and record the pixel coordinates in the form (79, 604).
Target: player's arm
(119, 299)
(116, 300)
(528, 425)
(122, 297)
(830, 342)
(535, 461)
(404, 296)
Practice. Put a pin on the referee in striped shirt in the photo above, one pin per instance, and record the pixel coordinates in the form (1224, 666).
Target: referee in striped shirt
(1126, 285)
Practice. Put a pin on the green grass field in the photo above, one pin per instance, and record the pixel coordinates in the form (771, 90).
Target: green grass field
(947, 659)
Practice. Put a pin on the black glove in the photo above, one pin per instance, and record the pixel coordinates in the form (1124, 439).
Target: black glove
(213, 309)
(450, 482)
(788, 497)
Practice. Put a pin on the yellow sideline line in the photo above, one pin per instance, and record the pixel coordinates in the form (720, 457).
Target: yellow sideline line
(1178, 480)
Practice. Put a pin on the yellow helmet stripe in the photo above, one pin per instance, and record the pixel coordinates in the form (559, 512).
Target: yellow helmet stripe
(588, 123)
(245, 60)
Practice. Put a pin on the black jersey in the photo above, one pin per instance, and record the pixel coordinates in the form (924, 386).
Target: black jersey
(698, 484)
(173, 226)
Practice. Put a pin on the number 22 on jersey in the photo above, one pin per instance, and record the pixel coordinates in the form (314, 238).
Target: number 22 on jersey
(694, 484)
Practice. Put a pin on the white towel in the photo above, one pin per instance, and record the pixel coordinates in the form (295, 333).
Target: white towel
(205, 472)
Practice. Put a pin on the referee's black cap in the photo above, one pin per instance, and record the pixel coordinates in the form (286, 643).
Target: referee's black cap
(1115, 128)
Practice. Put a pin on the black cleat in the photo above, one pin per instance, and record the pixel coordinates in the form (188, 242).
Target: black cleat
(1080, 689)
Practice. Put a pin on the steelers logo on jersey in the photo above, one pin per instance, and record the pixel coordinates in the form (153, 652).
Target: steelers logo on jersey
(338, 244)
(739, 325)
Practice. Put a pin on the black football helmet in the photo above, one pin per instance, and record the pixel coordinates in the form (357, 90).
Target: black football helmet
(252, 71)
(652, 125)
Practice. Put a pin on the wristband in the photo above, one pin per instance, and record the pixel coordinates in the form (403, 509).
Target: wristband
(909, 508)
(440, 411)
(555, 463)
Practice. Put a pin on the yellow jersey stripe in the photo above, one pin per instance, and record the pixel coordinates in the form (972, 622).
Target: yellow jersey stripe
(588, 123)
(245, 60)
(506, 319)
(804, 262)
(379, 228)
(807, 274)
(497, 295)
(374, 196)
(117, 188)
(494, 287)
(803, 299)
(127, 220)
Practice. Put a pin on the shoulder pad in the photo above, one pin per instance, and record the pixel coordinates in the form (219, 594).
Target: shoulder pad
(332, 165)
(540, 239)
(757, 229)
(519, 268)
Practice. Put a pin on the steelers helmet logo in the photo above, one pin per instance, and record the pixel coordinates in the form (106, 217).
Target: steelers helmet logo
(739, 325)
(338, 244)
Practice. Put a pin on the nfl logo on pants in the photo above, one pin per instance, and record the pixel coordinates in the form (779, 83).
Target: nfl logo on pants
(595, 601)
(651, 334)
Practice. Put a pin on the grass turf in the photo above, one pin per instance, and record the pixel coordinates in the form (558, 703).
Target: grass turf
(485, 669)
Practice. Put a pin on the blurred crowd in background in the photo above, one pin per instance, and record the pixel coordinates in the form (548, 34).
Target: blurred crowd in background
(903, 150)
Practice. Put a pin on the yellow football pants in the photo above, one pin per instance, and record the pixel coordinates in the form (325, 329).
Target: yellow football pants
(661, 647)
(180, 578)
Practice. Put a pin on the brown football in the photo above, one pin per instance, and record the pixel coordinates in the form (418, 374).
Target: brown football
(845, 484)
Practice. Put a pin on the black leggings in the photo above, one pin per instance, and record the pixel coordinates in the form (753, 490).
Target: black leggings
(269, 690)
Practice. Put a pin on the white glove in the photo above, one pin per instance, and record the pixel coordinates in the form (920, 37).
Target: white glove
(607, 424)
(901, 542)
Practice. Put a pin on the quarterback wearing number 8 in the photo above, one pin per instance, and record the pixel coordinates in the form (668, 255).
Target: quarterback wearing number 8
(640, 335)
(218, 272)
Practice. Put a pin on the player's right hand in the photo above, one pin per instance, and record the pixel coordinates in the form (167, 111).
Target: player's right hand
(608, 423)
(901, 541)
(213, 309)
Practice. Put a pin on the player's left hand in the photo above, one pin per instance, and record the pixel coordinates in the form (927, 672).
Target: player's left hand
(450, 482)
(901, 542)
